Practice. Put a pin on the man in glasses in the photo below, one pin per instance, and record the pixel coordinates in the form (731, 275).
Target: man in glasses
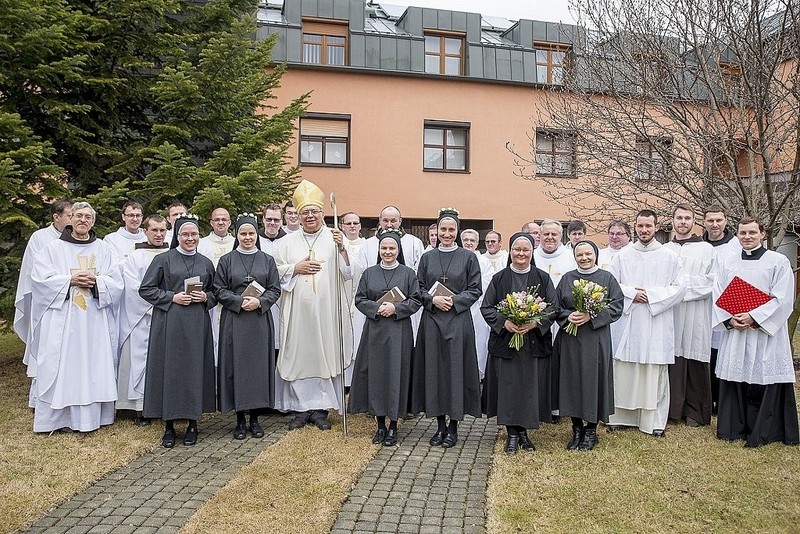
(124, 240)
(76, 282)
(619, 237)
(219, 242)
(495, 256)
(309, 378)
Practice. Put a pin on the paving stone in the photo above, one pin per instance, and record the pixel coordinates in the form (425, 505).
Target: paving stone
(142, 497)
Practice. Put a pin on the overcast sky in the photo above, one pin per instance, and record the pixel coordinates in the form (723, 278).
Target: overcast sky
(549, 10)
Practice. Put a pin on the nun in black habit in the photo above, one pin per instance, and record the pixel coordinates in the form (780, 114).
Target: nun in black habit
(179, 378)
(586, 391)
(512, 387)
(445, 380)
(382, 374)
(246, 370)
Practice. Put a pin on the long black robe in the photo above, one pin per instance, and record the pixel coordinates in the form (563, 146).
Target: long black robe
(246, 368)
(382, 373)
(444, 370)
(516, 387)
(586, 375)
(179, 379)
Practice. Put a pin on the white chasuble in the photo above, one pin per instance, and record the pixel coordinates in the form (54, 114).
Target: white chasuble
(74, 333)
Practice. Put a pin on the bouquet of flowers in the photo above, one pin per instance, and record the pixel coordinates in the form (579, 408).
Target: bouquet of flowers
(521, 308)
(589, 298)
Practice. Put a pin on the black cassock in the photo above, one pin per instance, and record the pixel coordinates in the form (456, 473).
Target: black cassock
(445, 378)
(246, 368)
(179, 379)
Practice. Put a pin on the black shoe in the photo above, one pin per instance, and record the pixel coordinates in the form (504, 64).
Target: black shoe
(320, 418)
(256, 430)
(300, 420)
(660, 433)
(555, 419)
(391, 438)
(437, 438)
(577, 437)
(615, 428)
(141, 421)
(168, 440)
(589, 439)
(450, 439)
(512, 444)
(190, 438)
(380, 435)
(240, 432)
(525, 442)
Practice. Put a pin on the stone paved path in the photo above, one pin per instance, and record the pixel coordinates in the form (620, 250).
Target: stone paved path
(414, 487)
(159, 491)
(409, 488)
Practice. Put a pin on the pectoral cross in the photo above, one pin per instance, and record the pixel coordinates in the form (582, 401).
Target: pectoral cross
(443, 278)
(248, 278)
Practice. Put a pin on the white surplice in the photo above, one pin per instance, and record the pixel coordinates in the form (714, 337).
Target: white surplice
(693, 314)
(647, 343)
(123, 242)
(268, 247)
(757, 355)
(605, 255)
(497, 261)
(309, 373)
(482, 329)
(214, 247)
(350, 286)
(74, 337)
(556, 263)
(134, 330)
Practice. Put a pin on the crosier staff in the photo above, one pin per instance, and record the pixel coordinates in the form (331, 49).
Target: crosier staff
(339, 324)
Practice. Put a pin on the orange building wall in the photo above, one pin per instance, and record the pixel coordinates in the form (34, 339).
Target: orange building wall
(387, 115)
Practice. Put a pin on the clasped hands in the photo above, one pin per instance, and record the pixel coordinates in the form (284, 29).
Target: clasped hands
(386, 309)
(443, 303)
(84, 278)
(579, 318)
(184, 299)
(641, 296)
(742, 321)
(250, 303)
(519, 329)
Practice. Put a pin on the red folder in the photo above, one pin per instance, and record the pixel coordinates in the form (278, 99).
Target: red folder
(741, 297)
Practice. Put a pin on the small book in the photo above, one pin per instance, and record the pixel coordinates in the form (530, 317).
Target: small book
(254, 289)
(394, 296)
(741, 297)
(192, 284)
(440, 290)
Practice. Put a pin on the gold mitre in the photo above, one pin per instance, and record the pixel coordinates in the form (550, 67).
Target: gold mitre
(308, 194)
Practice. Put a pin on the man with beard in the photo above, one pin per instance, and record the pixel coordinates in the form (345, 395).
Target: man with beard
(647, 273)
(689, 376)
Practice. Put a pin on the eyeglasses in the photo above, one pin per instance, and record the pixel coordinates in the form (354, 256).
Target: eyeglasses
(83, 216)
(351, 223)
(133, 215)
(220, 220)
(309, 213)
(521, 250)
(489, 241)
(616, 234)
(187, 236)
(271, 219)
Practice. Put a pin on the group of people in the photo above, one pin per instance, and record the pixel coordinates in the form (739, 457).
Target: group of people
(170, 325)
